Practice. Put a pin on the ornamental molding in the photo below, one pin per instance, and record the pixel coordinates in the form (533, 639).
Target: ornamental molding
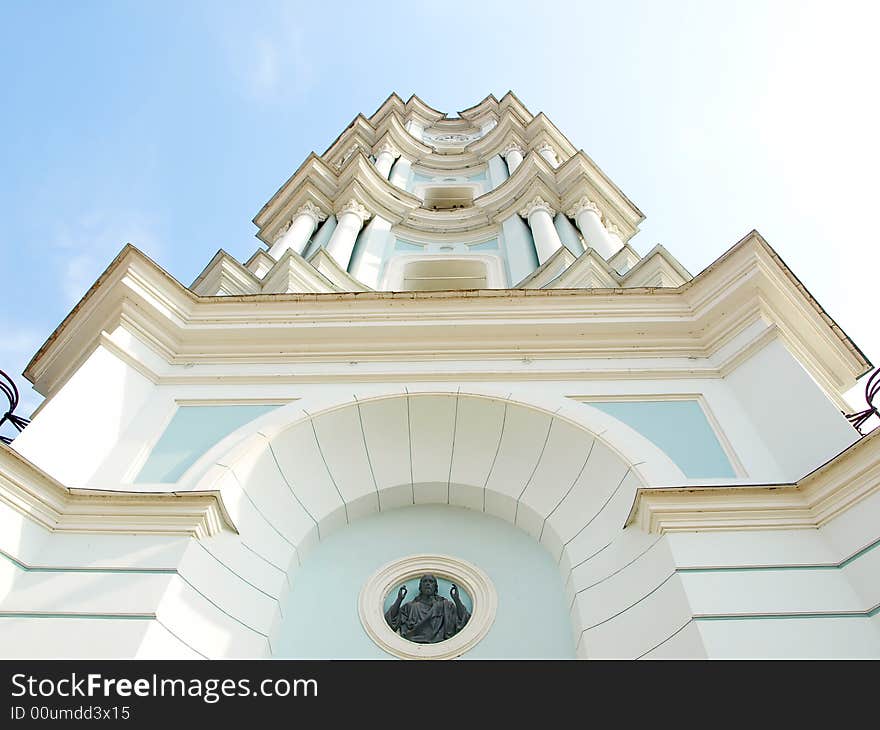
(849, 478)
(353, 206)
(611, 228)
(469, 577)
(281, 231)
(31, 492)
(535, 204)
(584, 204)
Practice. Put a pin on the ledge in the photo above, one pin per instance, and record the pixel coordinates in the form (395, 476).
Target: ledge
(33, 493)
(822, 495)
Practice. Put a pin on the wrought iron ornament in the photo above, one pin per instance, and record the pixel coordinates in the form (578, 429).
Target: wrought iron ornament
(7, 387)
(872, 388)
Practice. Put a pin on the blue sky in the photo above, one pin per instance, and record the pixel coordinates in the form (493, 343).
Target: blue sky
(170, 124)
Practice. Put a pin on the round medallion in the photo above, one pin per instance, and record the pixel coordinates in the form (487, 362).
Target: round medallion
(427, 607)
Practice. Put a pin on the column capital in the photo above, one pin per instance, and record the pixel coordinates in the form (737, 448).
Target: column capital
(310, 209)
(512, 147)
(535, 204)
(583, 204)
(353, 206)
(545, 147)
(388, 147)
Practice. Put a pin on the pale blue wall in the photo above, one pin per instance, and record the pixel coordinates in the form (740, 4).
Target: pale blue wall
(321, 236)
(680, 429)
(191, 432)
(568, 234)
(376, 242)
(522, 258)
(321, 612)
(497, 171)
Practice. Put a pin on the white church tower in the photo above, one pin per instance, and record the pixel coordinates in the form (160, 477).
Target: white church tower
(445, 358)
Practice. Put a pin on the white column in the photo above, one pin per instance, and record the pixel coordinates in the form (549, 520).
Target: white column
(386, 153)
(548, 153)
(589, 219)
(298, 230)
(400, 172)
(513, 154)
(349, 220)
(540, 217)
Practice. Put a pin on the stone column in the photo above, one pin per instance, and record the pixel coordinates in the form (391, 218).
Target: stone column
(539, 214)
(298, 231)
(349, 220)
(513, 154)
(385, 156)
(548, 153)
(589, 219)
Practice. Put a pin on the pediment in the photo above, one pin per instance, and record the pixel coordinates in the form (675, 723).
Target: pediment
(558, 262)
(588, 271)
(658, 268)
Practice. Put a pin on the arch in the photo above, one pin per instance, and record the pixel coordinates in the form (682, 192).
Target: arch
(314, 466)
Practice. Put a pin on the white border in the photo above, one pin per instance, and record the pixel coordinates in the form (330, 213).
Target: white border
(474, 582)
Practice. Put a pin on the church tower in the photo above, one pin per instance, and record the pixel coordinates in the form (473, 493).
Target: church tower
(444, 362)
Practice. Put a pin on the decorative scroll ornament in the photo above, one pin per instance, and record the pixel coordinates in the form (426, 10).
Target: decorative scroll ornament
(535, 204)
(347, 155)
(353, 206)
(512, 147)
(388, 148)
(281, 231)
(613, 229)
(452, 138)
(582, 205)
(310, 209)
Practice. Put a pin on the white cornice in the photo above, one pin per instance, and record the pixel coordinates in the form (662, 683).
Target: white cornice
(819, 497)
(693, 320)
(33, 493)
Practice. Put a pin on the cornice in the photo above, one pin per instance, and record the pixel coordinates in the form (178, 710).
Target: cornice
(693, 320)
(850, 477)
(31, 492)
